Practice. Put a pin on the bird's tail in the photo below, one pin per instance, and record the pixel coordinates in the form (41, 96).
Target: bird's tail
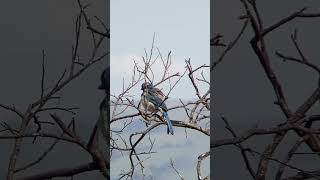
(170, 128)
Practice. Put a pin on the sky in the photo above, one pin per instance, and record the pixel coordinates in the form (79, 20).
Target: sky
(183, 148)
(175, 24)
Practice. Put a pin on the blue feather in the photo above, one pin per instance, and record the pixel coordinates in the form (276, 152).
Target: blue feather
(170, 128)
(153, 100)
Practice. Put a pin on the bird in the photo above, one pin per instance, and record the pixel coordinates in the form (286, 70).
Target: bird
(104, 105)
(152, 100)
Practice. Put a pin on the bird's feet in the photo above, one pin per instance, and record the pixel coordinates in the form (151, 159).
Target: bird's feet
(157, 116)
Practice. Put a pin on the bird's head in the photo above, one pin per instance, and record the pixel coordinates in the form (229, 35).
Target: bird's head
(104, 78)
(146, 85)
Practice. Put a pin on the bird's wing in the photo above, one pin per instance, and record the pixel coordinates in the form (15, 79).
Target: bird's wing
(160, 93)
(156, 101)
(157, 92)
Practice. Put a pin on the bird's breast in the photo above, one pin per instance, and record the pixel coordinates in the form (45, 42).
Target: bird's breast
(147, 105)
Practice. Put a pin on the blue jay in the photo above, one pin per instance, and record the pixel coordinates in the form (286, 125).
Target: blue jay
(152, 100)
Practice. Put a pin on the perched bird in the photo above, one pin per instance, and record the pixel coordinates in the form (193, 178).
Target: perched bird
(104, 105)
(152, 100)
(100, 137)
